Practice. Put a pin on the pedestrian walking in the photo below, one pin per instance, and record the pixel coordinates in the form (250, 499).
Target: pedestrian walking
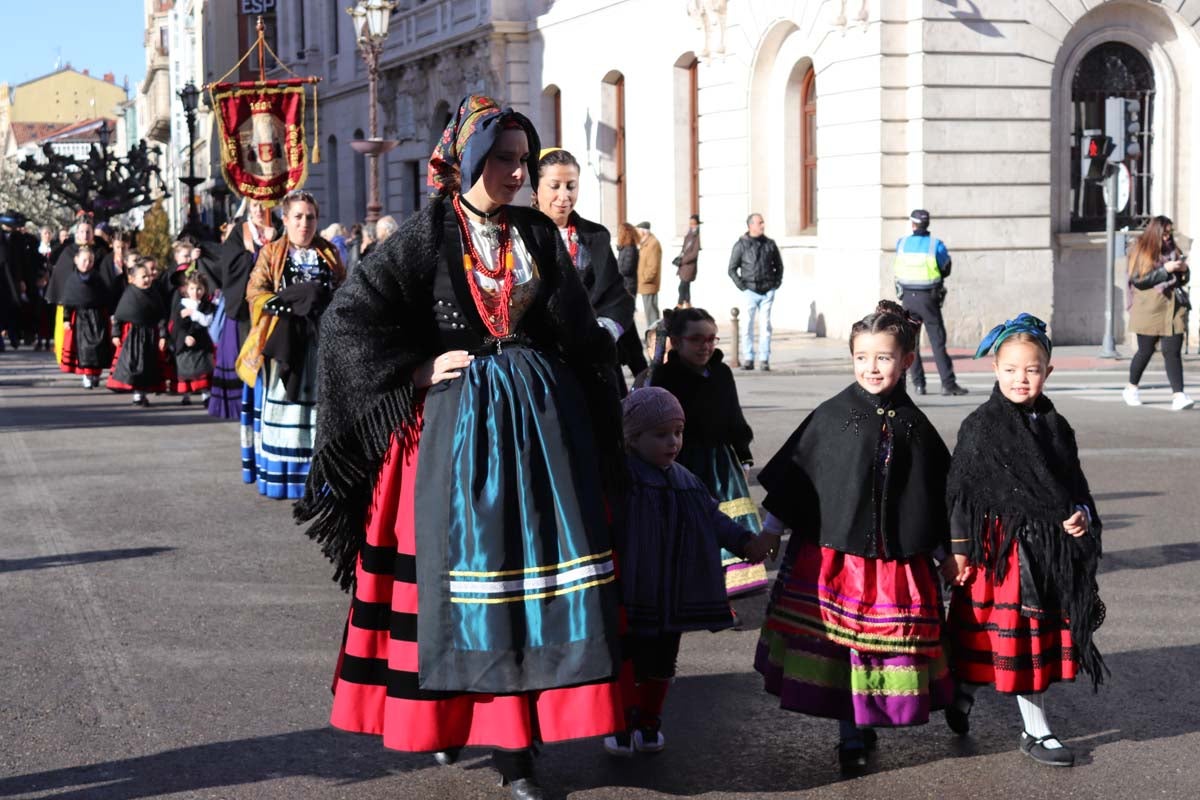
(1158, 308)
(716, 438)
(86, 299)
(287, 293)
(1025, 538)
(649, 272)
(853, 628)
(685, 262)
(756, 268)
(629, 346)
(229, 267)
(192, 316)
(921, 267)
(470, 333)
(140, 343)
(670, 535)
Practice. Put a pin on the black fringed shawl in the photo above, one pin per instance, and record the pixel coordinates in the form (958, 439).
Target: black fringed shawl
(1025, 473)
(382, 325)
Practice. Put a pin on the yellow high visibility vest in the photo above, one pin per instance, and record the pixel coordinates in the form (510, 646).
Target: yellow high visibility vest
(917, 270)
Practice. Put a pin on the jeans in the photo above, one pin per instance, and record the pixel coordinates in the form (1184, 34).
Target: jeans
(650, 306)
(1171, 349)
(756, 303)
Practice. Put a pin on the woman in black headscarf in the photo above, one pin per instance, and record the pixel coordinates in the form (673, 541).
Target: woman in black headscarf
(468, 410)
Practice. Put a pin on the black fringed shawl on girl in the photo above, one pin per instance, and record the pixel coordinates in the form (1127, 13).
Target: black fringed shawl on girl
(382, 325)
(1023, 471)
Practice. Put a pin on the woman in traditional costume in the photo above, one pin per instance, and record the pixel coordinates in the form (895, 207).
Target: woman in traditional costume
(716, 438)
(853, 628)
(230, 267)
(588, 243)
(468, 413)
(287, 293)
(1025, 535)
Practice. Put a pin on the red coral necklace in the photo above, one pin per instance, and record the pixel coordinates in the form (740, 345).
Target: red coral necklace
(494, 308)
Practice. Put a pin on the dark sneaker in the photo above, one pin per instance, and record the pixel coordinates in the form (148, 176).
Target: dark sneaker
(646, 740)
(852, 756)
(187, 400)
(954, 390)
(919, 389)
(1051, 757)
(619, 744)
(747, 365)
(765, 367)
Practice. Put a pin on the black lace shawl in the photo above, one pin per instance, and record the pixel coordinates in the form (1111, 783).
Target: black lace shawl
(381, 325)
(1025, 473)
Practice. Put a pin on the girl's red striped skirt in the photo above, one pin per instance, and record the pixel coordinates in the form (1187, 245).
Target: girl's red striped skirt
(375, 687)
(993, 642)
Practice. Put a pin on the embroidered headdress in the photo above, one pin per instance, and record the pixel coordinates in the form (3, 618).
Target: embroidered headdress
(1022, 323)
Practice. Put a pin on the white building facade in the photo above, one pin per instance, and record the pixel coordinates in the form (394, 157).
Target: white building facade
(835, 118)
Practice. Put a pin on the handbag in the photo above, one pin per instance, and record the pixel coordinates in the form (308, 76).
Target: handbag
(677, 260)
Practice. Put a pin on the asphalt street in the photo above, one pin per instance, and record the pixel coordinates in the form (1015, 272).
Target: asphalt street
(166, 632)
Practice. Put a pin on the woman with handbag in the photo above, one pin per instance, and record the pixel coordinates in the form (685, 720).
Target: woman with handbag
(292, 283)
(1158, 273)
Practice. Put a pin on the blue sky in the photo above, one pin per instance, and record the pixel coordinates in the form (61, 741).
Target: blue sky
(100, 37)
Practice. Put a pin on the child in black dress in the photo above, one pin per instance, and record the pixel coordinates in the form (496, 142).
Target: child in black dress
(85, 299)
(141, 345)
(191, 318)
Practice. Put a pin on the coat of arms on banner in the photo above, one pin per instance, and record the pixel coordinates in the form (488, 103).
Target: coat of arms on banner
(263, 150)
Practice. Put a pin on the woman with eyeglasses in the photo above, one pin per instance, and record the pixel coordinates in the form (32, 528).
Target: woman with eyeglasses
(1158, 273)
(716, 436)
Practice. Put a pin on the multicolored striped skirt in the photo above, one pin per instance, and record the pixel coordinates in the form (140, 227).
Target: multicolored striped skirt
(277, 434)
(994, 642)
(376, 688)
(855, 638)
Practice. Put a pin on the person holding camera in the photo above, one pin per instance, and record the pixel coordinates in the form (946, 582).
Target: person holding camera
(922, 264)
(1158, 273)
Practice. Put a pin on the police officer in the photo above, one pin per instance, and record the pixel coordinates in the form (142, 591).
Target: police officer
(922, 264)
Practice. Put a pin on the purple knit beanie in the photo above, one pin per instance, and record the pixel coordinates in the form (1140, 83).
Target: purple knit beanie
(643, 409)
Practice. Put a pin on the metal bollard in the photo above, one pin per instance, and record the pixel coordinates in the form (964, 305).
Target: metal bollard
(736, 345)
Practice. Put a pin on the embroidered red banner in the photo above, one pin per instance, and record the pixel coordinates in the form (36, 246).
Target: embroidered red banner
(263, 149)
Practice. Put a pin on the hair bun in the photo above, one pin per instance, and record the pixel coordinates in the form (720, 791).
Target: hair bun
(890, 307)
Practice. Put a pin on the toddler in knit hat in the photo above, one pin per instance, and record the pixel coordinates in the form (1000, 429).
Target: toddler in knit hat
(668, 535)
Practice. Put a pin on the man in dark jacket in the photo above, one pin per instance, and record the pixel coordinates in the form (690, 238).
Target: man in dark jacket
(756, 268)
(18, 274)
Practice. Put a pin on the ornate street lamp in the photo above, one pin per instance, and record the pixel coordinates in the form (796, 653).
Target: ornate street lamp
(371, 18)
(189, 95)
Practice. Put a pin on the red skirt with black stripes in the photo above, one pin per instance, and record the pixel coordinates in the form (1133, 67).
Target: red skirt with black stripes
(993, 642)
(375, 688)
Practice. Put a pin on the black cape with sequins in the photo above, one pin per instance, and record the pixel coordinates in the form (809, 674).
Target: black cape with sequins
(826, 485)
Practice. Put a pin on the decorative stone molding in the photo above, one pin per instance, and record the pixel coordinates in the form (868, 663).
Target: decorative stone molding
(710, 17)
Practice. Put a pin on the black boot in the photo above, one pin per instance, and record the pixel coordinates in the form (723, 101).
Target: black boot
(516, 772)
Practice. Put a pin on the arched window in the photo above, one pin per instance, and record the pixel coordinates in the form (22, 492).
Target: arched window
(554, 100)
(1112, 69)
(808, 151)
(612, 144)
(333, 208)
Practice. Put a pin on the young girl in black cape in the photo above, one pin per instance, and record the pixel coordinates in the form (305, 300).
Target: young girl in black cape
(191, 317)
(1025, 536)
(141, 345)
(716, 439)
(85, 298)
(853, 628)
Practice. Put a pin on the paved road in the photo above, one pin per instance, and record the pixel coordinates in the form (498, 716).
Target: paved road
(167, 633)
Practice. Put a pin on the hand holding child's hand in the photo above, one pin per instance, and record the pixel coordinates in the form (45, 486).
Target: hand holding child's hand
(957, 570)
(116, 341)
(190, 341)
(1076, 525)
(762, 547)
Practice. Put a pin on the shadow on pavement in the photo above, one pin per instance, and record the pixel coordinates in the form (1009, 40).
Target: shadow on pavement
(163, 412)
(1150, 557)
(70, 559)
(1104, 497)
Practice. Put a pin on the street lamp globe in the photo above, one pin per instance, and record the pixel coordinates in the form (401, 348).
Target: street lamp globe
(371, 18)
(190, 96)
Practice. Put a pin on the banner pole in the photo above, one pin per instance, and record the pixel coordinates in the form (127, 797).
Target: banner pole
(262, 58)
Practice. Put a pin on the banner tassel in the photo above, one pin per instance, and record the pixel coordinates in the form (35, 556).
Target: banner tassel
(316, 148)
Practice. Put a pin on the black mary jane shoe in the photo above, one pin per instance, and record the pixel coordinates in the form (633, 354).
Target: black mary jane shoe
(525, 789)
(958, 720)
(449, 757)
(1037, 750)
(852, 756)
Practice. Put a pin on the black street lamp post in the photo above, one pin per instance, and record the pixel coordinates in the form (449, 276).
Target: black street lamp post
(190, 97)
